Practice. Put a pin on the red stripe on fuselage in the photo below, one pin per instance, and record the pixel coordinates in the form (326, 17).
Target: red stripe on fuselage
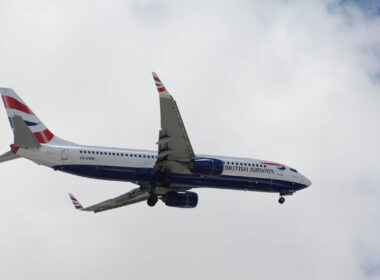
(156, 79)
(269, 163)
(12, 103)
(161, 89)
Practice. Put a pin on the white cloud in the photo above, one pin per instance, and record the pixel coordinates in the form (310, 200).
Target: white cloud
(290, 81)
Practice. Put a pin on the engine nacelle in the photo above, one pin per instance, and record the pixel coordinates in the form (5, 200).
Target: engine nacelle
(181, 199)
(207, 166)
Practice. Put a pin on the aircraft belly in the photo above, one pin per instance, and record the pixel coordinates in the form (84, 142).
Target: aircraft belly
(144, 176)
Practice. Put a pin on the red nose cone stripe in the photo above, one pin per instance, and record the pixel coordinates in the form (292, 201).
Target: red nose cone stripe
(156, 79)
(11, 103)
(44, 136)
(161, 89)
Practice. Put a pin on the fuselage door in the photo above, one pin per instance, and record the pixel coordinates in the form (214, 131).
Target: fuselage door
(65, 154)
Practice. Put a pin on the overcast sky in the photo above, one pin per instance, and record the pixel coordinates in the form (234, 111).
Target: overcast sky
(297, 82)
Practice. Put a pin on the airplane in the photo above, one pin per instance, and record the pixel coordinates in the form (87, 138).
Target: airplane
(166, 174)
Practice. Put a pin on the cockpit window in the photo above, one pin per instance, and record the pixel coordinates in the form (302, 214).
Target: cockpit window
(293, 170)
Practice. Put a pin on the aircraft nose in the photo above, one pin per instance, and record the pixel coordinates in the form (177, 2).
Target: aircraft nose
(306, 181)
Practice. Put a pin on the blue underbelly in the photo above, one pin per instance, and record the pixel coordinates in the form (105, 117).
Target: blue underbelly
(144, 176)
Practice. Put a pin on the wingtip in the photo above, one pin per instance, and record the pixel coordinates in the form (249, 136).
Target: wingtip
(75, 202)
(160, 86)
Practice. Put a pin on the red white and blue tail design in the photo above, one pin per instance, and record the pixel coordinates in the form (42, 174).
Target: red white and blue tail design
(76, 203)
(14, 105)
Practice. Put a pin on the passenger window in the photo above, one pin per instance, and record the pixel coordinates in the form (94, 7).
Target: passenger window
(80, 151)
(117, 154)
(97, 153)
(245, 164)
(113, 153)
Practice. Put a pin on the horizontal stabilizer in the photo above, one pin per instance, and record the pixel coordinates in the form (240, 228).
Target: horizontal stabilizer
(8, 156)
(23, 137)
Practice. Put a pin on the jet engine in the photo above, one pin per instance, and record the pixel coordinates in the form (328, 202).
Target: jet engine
(181, 199)
(207, 166)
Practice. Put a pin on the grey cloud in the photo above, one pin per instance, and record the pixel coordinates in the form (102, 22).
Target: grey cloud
(370, 259)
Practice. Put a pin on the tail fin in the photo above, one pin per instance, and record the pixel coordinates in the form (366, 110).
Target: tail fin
(15, 106)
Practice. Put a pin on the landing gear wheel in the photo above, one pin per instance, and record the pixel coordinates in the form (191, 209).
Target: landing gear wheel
(152, 200)
(281, 200)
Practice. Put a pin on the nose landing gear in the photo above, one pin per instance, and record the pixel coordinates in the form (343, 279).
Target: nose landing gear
(281, 200)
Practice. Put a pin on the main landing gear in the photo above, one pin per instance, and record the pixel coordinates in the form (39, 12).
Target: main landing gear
(281, 200)
(152, 200)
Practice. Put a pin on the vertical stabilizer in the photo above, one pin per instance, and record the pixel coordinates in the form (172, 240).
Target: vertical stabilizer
(15, 106)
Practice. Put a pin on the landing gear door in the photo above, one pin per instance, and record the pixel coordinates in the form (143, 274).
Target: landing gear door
(64, 154)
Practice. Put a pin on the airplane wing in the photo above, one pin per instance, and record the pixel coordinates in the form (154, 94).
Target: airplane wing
(134, 196)
(174, 147)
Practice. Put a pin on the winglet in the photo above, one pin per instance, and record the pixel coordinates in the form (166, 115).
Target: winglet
(76, 203)
(160, 86)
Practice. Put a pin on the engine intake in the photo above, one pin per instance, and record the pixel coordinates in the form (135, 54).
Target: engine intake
(181, 199)
(207, 166)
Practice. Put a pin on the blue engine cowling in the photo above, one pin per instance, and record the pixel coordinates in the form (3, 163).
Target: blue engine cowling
(181, 199)
(207, 166)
